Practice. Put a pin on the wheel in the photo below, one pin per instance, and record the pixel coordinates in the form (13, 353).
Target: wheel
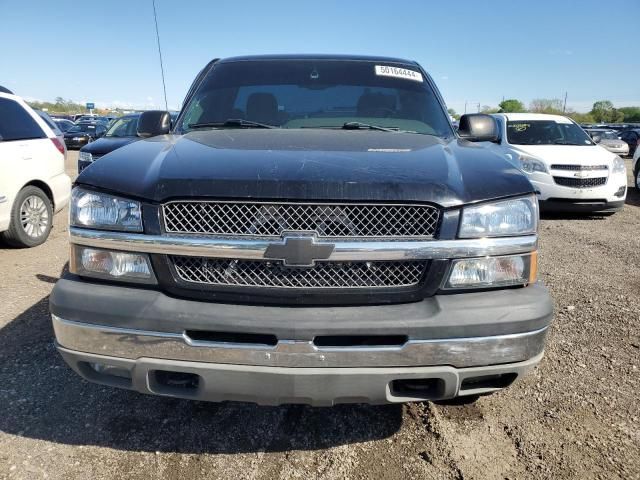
(638, 175)
(31, 218)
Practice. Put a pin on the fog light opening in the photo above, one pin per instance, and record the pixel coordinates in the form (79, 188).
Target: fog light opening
(501, 380)
(427, 388)
(174, 383)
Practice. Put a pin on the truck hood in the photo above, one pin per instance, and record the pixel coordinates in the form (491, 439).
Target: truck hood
(105, 145)
(568, 154)
(307, 164)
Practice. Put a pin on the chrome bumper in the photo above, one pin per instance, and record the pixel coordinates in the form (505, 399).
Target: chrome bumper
(255, 248)
(457, 352)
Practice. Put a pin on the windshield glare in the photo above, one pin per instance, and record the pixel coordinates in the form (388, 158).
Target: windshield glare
(124, 127)
(546, 132)
(316, 94)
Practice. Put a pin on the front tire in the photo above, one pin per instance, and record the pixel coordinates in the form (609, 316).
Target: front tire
(31, 219)
(638, 175)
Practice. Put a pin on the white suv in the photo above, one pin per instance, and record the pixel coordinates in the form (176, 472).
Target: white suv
(635, 165)
(568, 170)
(33, 183)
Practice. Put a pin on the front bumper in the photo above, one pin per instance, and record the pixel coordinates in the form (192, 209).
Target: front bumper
(448, 339)
(312, 386)
(606, 198)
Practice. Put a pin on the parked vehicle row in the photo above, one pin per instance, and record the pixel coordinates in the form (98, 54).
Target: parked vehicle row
(610, 140)
(629, 133)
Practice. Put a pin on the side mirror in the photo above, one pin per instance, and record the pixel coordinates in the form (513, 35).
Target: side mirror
(154, 122)
(596, 139)
(478, 127)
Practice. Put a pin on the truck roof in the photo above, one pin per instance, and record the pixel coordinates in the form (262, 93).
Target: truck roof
(356, 58)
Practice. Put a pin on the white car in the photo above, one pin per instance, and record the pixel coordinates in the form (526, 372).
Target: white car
(635, 166)
(569, 171)
(33, 183)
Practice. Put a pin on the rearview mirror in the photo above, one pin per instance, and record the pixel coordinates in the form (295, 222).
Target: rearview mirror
(478, 127)
(154, 122)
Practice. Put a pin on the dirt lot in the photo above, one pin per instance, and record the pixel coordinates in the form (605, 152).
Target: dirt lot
(577, 416)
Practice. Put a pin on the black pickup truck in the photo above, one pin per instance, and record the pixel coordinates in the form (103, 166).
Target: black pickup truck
(310, 230)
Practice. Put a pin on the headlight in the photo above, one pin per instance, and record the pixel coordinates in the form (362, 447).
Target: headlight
(619, 166)
(530, 164)
(489, 272)
(110, 265)
(102, 211)
(85, 157)
(518, 216)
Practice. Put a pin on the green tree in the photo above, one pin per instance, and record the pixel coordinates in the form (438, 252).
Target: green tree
(631, 114)
(453, 113)
(489, 109)
(546, 105)
(602, 111)
(511, 105)
(580, 117)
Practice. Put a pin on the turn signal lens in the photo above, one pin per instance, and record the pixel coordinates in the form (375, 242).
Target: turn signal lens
(489, 272)
(110, 265)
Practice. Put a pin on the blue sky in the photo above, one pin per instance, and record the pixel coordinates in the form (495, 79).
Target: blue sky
(477, 51)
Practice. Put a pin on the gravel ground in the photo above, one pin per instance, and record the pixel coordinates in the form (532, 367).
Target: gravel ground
(576, 416)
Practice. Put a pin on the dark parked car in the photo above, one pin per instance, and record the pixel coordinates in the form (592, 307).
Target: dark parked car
(83, 133)
(63, 124)
(122, 132)
(632, 138)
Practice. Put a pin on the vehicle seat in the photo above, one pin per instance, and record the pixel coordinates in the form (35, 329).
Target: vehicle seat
(376, 105)
(263, 108)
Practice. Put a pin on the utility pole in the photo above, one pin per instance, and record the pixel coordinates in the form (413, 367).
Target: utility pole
(564, 107)
(465, 106)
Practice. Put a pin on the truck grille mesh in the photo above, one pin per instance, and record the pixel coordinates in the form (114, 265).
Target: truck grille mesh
(262, 219)
(580, 182)
(249, 273)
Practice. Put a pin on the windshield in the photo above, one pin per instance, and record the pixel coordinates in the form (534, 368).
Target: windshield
(546, 132)
(317, 94)
(604, 134)
(82, 128)
(64, 125)
(124, 127)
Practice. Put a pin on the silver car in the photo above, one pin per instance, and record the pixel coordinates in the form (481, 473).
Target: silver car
(609, 139)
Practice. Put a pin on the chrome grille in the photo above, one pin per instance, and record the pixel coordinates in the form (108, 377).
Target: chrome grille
(579, 168)
(248, 273)
(580, 182)
(264, 219)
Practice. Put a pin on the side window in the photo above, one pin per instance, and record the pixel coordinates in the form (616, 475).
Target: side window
(16, 123)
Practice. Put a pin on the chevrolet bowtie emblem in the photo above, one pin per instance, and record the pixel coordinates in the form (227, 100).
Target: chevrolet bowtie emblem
(299, 250)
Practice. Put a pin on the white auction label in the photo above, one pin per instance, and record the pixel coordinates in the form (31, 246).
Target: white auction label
(387, 71)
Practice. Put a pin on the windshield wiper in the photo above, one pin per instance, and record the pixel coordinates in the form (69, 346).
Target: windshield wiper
(563, 142)
(367, 126)
(232, 122)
